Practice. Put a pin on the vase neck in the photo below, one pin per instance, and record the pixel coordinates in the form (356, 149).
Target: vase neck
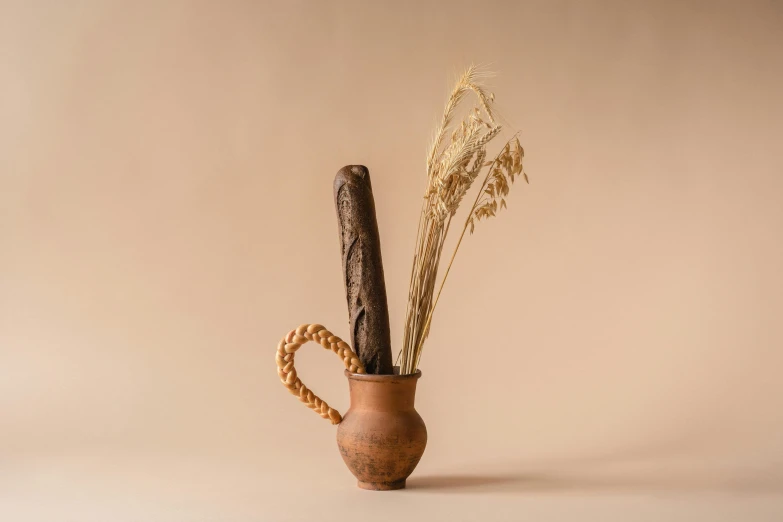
(389, 395)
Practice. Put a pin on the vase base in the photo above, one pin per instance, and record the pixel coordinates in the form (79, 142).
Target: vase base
(382, 486)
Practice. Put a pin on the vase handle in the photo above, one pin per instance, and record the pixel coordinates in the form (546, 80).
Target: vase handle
(285, 364)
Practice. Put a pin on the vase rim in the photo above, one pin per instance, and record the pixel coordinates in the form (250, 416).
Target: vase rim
(383, 378)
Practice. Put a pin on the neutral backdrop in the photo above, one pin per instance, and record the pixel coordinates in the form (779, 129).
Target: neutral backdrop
(609, 348)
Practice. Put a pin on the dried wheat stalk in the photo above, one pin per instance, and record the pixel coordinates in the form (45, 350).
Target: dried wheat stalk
(452, 167)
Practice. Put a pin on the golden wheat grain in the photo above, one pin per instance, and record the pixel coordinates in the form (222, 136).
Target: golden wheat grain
(449, 179)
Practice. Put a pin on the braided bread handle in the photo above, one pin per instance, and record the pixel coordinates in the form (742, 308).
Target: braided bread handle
(284, 357)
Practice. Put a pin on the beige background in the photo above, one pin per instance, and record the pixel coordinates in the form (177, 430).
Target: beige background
(608, 349)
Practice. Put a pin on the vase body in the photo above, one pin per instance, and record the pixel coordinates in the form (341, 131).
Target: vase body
(382, 437)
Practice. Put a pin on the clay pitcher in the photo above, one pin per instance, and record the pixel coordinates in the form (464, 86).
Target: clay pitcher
(382, 437)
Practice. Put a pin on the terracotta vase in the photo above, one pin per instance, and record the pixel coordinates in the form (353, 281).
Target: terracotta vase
(382, 437)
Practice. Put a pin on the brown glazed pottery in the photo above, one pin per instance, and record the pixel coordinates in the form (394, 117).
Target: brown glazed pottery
(381, 436)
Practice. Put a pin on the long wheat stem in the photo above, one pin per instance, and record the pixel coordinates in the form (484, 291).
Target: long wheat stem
(454, 254)
(448, 181)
